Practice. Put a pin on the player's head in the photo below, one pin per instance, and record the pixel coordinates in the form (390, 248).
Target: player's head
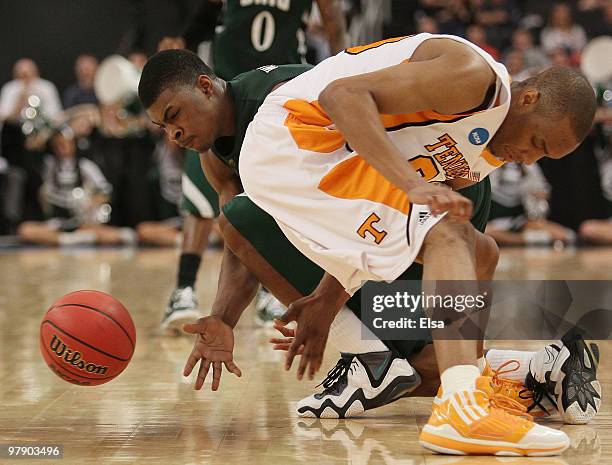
(183, 96)
(550, 114)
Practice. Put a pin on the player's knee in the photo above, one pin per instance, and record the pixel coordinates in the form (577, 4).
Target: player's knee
(231, 236)
(487, 256)
(450, 233)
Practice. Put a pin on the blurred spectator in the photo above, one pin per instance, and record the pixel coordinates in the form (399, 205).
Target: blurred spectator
(165, 179)
(562, 32)
(534, 57)
(26, 83)
(82, 91)
(498, 17)
(477, 35)
(515, 63)
(74, 197)
(138, 58)
(519, 208)
(595, 16)
(561, 57)
(427, 24)
(454, 18)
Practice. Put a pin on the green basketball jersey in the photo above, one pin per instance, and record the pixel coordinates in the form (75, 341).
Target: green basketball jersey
(259, 32)
(248, 92)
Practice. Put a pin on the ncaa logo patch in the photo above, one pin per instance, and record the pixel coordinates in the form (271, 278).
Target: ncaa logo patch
(478, 136)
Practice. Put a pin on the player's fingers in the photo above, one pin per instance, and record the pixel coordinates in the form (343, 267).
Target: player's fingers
(284, 330)
(233, 368)
(281, 340)
(304, 359)
(193, 328)
(285, 347)
(292, 352)
(202, 373)
(217, 370)
(191, 362)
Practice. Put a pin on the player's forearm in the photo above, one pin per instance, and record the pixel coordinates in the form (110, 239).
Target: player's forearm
(237, 288)
(356, 116)
(331, 291)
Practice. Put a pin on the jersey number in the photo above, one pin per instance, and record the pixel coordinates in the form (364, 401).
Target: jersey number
(262, 31)
(425, 167)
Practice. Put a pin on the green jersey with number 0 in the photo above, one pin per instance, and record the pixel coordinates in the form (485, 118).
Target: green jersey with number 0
(260, 32)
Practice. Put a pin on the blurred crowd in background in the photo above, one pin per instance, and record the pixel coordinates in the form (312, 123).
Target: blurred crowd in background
(67, 161)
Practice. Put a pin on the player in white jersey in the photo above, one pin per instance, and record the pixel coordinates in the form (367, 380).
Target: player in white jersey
(439, 147)
(326, 157)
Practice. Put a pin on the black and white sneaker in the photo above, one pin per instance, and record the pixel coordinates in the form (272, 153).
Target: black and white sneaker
(182, 308)
(566, 374)
(361, 382)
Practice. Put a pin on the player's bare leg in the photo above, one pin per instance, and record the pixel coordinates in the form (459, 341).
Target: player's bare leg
(468, 416)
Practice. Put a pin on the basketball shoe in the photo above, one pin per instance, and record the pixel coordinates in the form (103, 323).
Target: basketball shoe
(478, 421)
(267, 308)
(182, 308)
(566, 374)
(360, 382)
(517, 391)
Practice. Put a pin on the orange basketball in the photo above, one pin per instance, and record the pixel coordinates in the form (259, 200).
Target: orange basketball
(87, 338)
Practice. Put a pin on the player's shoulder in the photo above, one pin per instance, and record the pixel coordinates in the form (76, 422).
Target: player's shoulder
(262, 78)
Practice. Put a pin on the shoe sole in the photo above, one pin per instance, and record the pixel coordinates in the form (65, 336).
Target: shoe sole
(464, 446)
(176, 321)
(359, 403)
(577, 380)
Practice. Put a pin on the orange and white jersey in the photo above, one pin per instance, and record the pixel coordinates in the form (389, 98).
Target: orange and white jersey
(332, 205)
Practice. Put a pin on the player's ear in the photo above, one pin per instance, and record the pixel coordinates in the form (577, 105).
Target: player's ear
(205, 84)
(529, 96)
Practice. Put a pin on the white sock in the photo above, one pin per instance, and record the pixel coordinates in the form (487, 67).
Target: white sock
(482, 363)
(348, 334)
(459, 378)
(77, 237)
(499, 357)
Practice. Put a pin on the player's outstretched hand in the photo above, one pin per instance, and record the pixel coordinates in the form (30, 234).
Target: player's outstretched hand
(314, 317)
(214, 346)
(440, 198)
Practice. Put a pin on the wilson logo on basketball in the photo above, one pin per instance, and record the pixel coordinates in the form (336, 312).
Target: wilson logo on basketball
(74, 357)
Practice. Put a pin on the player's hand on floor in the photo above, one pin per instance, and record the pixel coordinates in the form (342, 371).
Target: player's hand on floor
(214, 346)
(440, 198)
(283, 343)
(314, 317)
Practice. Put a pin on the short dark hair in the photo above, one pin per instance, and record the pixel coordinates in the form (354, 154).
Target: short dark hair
(169, 68)
(566, 92)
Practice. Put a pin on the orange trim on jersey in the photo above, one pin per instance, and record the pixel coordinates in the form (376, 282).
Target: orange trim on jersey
(363, 48)
(491, 159)
(307, 123)
(355, 179)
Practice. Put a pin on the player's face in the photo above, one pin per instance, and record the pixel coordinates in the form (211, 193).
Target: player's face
(525, 136)
(188, 115)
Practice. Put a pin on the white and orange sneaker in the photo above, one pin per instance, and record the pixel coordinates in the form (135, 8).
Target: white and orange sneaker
(481, 422)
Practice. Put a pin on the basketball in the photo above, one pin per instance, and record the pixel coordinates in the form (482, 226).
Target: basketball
(87, 338)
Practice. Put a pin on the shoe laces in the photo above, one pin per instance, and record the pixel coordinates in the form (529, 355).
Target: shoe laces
(512, 385)
(538, 391)
(338, 373)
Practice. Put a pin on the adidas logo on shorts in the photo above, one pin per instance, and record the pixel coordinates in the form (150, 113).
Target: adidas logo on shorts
(423, 217)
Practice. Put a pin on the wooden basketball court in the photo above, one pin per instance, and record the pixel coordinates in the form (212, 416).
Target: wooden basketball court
(151, 415)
